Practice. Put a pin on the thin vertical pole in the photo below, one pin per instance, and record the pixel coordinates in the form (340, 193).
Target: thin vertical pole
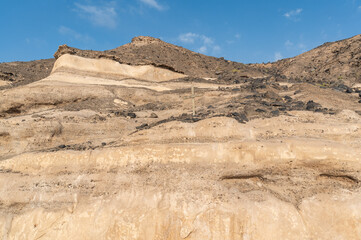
(193, 103)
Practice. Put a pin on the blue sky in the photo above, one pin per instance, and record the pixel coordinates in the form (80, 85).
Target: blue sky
(246, 31)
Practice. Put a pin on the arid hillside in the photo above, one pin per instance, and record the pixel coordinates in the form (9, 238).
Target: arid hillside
(329, 64)
(105, 145)
(20, 73)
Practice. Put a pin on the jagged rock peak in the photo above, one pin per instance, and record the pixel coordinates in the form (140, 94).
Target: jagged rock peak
(145, 40)
(64, 49)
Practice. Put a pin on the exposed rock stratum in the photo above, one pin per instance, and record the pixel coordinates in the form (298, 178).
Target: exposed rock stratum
(104, 146)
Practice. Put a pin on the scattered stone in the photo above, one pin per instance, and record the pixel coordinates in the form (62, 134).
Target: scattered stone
(311, 105)
(288, 98)
(153, 115)
(4, 134)
(120, 102)
(299, 105)
(277, 104)
(240, 117)
(275, 113)
(349, 90)
(265, 103)
(341, 87)
(271, 95)
(143, 126)
(131, 115)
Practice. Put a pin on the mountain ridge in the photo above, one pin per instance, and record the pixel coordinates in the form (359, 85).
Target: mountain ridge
(332, 63)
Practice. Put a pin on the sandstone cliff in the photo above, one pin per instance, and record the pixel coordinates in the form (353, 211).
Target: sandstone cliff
(106, 147)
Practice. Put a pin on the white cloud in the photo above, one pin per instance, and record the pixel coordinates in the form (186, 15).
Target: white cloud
(73, 34)
(36, 42)
(288, 44)
(103, 16)
(278, 56)
(293, 15)
(153, 4)
(202, 49)
(216, 49)
(207, 40)
(205, 43)
(236, 38)
(188, 37)
(294, 46)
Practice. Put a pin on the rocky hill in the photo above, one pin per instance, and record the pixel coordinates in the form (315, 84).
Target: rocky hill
(329, 64)
(107, 146)
(20, 73)
(153, 51)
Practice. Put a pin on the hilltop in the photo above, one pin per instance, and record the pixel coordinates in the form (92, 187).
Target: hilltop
(331, 63)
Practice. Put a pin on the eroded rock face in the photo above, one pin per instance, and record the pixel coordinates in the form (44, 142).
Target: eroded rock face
(213, 185)
(101, 149)
(72, 63)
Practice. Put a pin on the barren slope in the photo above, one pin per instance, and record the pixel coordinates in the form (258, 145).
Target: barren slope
(19, 73)
(334, 62)
(153, 51)
(106, 147)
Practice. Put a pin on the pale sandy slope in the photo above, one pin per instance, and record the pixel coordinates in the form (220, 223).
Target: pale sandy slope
(293, 176)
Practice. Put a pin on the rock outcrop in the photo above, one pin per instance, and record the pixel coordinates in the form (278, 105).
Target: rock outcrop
(107, 147)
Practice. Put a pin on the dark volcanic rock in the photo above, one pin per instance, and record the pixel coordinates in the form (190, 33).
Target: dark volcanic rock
(312, 106)
(131, 115)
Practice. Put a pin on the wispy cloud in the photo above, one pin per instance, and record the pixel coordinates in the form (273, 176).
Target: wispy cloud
(102, 16)
(153, 4)
(302, 46)
(205, 43)
(203, 49)
(293, 14)
(188, 37)
(236, 38)
(278, 56)
(291, 46)
(74, 34)
(288, 44)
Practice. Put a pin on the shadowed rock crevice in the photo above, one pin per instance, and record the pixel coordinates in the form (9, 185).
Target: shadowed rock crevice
(343, 178)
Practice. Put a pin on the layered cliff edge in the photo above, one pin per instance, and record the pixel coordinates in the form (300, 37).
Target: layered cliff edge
(105, 146)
